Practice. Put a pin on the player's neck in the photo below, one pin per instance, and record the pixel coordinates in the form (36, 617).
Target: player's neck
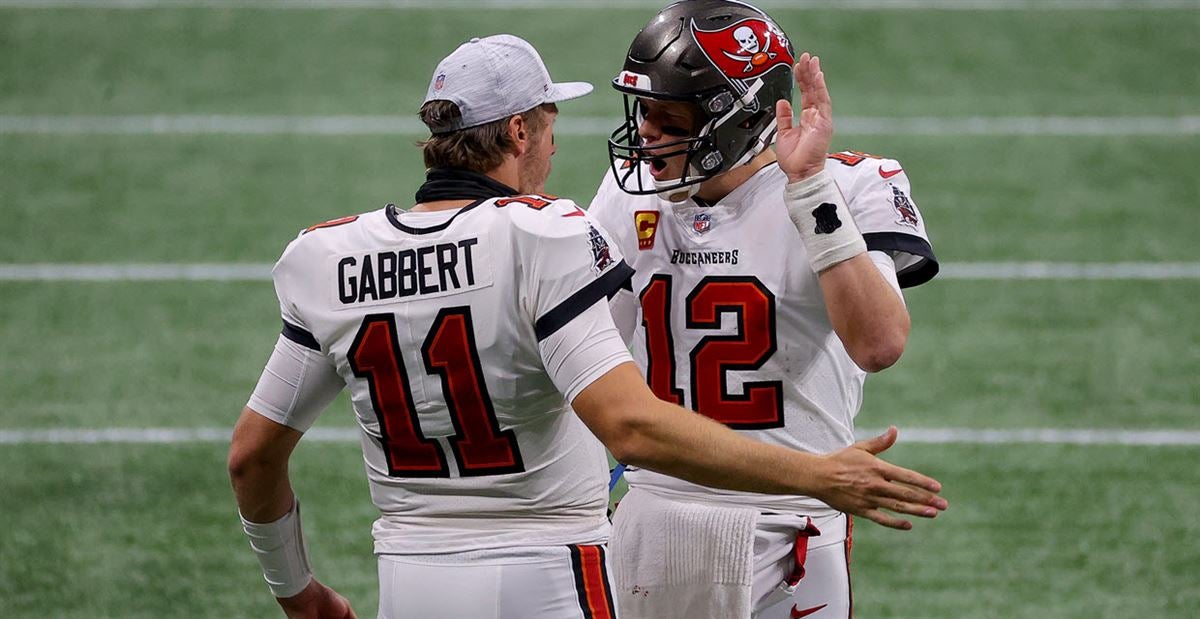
(449, 188)
(712, 191)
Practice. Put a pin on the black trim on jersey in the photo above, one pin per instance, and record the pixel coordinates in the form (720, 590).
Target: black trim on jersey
(908, 243)
(393, 216)
(602, 287)
(300, 336)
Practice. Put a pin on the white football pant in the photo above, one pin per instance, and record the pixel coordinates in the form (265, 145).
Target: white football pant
(683, 560)
(557, 582)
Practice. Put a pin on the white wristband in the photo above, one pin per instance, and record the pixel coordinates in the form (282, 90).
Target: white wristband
(819, 212)
(281, 552)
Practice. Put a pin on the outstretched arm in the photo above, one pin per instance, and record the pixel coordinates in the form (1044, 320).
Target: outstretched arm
(867, 313)
(641, 430)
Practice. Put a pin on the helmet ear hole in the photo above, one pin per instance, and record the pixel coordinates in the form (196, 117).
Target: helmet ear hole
(753, 120)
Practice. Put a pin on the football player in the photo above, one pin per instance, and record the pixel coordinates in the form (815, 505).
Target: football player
(462, 328)
(767, 286)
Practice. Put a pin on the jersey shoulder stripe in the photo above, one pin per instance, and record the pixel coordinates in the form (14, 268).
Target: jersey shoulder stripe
(890, 242)
(300, 336)
(879, 196)
(603, 287)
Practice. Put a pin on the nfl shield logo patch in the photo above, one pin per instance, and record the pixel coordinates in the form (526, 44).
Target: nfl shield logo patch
(439, 82)
(702, 223)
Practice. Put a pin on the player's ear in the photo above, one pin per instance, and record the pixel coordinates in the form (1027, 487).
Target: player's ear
(518, 134)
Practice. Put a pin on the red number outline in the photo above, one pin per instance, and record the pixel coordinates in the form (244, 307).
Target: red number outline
(331, 223)
(852, 157)
(534, 202)
(375, 356)
(655, 300)
(480, 446)
(760, 405)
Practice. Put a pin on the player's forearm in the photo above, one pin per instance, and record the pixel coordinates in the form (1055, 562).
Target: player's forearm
(258, 467)
(866, 312)
(641, 430)
(868, 316)
(263, 491)
(270, 517)
(683, 444)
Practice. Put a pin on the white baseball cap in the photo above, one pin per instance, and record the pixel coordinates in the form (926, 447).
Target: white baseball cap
(493, 78)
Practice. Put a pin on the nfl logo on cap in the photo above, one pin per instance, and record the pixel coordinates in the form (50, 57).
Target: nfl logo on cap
(471, 76)
(702, 222)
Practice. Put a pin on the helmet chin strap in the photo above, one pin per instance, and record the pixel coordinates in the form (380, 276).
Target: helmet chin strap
(675, 195)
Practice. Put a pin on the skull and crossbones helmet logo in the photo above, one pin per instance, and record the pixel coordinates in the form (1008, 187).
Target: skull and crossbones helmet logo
(745, 49)
(746, 38)
(751, 51)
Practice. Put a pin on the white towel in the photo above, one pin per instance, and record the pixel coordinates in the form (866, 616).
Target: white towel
(677, 559)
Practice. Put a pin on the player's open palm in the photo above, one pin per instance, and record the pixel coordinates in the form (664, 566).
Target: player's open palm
(317, 601)
(865, 485)
(802, 147)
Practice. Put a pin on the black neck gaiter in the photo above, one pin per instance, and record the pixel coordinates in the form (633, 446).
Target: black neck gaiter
(460, 184)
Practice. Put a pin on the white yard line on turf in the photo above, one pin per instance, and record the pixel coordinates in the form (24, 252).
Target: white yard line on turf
(101, 272)
(198, 124)
(1070, 270)
(1085, 436)
(1050, 436)
(135, 272)
(149, 435)
(853, 5)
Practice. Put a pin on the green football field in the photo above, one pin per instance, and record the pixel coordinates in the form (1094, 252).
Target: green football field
(1035, 136)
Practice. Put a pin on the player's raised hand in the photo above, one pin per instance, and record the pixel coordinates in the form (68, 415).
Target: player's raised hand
(866, 485)
(317, 601)
(802, 147)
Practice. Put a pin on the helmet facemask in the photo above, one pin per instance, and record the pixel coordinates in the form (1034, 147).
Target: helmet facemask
(627, 154)
(720, 144)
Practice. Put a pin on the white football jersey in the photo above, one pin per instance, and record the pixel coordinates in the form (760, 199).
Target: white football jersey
(732, 321)
(433, 321)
